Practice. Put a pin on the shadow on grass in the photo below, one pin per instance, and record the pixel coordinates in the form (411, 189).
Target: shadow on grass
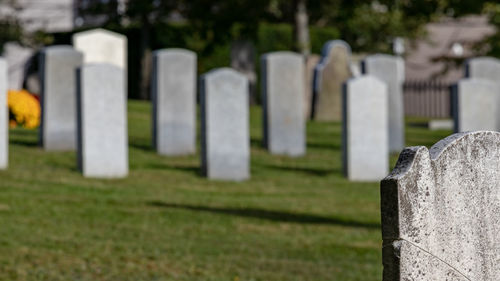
(142, 146)
(278, 216)
(309, 171)
(331, 146)
(190, 169)
(24, 137)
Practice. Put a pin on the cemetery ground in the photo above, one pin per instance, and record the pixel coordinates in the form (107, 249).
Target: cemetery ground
(296, 219)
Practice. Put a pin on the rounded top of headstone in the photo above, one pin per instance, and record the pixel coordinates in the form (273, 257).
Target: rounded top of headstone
(102, 66)
(174, 52)
(224, 73)
(98, 32)
(59, 49)
(382, 57)
(282, 55)
(485, 67)
(367, 79)
(328, 46)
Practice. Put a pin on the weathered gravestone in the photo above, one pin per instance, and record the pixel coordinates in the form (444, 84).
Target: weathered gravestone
(102, 121)
(58, 65)
(441, 211)
(102, 46)
(329, 76)
(484, 68)
(311, 62)
(4, 116)
(365, 144)
(282, 99)
(476, 105)
(225, 147)
(243, 60)
(391, 70)
(174, 101)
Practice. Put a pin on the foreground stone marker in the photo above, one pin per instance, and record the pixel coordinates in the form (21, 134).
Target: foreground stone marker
(329, 76)
(174, 101)
(4, 117)
(476, 105)
(102, 46)
(391, 70)
(484, 68)
(365, 144)
(282, 98)
(102, 122)
(58, 65)
(441, 211)
(225, 146)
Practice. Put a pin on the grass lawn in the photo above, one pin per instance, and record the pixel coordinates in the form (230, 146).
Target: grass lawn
(296, 219)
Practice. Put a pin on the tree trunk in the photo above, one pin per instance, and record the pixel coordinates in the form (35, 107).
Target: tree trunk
(301, 28)
(145, 61)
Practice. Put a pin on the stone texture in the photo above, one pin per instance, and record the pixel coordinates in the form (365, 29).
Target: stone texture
(282, 99)
(174, 101)
(102, 121)
(441, 211)
(475, 105)
(311, 62)
(58, 65)
(225, 147)
(102, 46)
(391, 70)
(329, 76)
(365, 144)
(4, 116)
(484, 68)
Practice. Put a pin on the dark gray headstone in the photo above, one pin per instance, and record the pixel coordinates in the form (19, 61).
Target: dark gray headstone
(58, 65)
(102, 122)
(174, 101)
(441, 211)
(243, 60)
(225, 147)
(282, 99)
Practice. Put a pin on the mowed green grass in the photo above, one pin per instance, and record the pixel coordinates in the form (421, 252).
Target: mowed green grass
(296, 219)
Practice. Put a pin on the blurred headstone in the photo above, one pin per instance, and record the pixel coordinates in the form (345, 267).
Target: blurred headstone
(282, 99)
(4, 116)
(102, 122)
(329, 76)
(441, 211)
(243, 60)
(476, 104)
(391, 70)
(484, 68)
(102, 46)
(58, 65)
(311, 62)
(174, 101)
(225, 144)
(365, 144)
(16, 56)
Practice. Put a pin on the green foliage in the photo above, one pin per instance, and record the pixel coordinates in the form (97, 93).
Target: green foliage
(320, 35)
(492, 44)
(274, 37)
(9, 31)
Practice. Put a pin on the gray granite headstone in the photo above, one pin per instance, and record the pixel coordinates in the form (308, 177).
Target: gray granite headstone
(391, 70)
(484, 68)
(329, 76)
(476, 105)
(282, 100)
(58, 65)
(225, 145)
(174, 101)
(102, 121)
(4, 116)
(441, 211)
(365, 144)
